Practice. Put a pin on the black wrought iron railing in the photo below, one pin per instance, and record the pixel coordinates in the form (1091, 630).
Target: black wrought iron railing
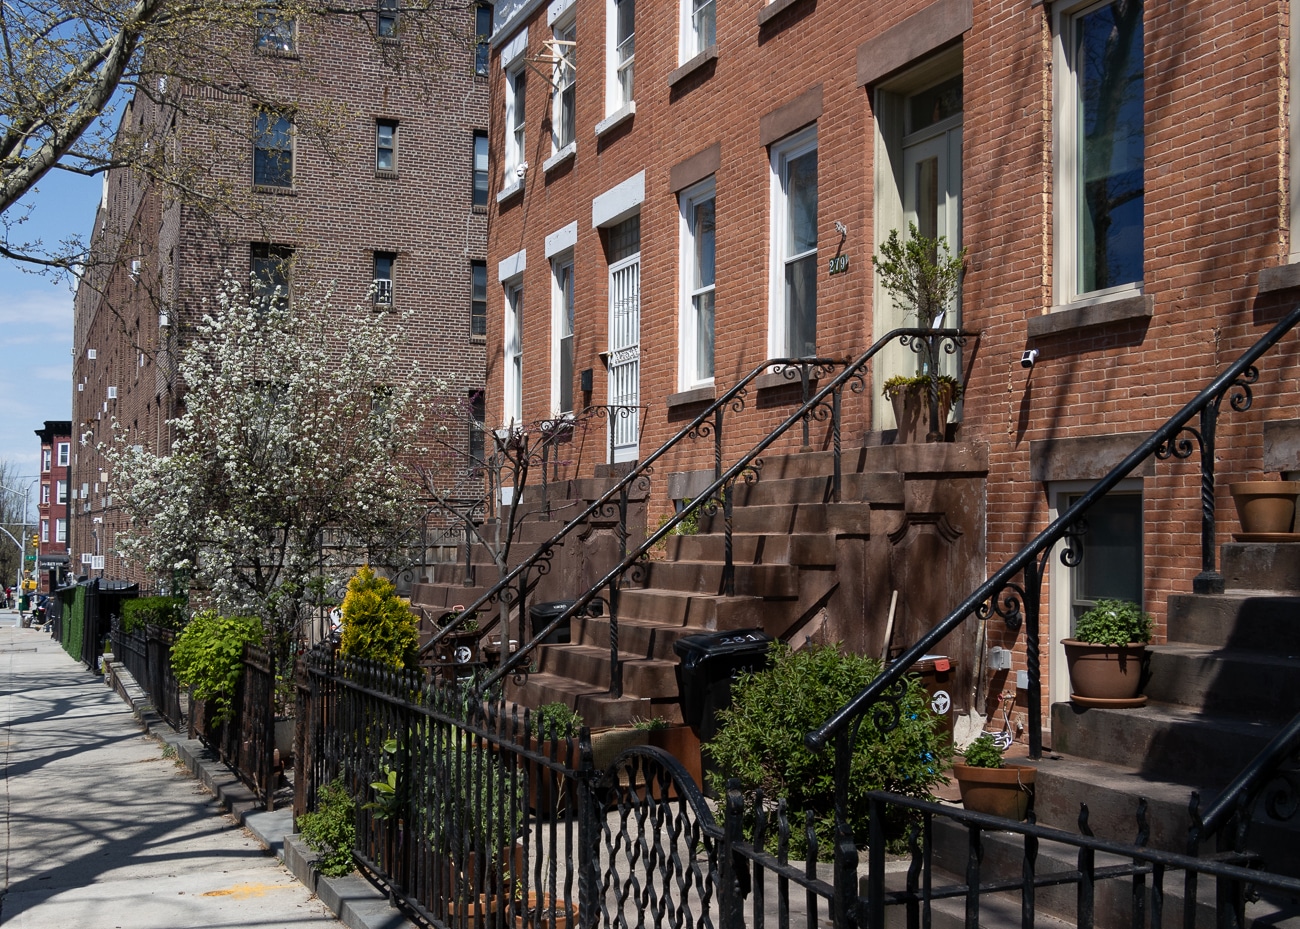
(823, 393)
(515, 585)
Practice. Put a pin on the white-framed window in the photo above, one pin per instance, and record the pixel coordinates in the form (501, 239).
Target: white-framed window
(1112, 565)
(516, 153)
(621, 56)
(45, 493)
(699, 27)
(512, 388)
(793, 320)
(65, 453)
(61, 492)
(276, 32)
(1099, 155)
(478, 296)
(562, 334)
(482, 34)
(273, 150)
(46, 457)
(385, 263)
(698, 235)
(45, 530)
(385, 145)
(623, 249)
(60, 530)
(270, 267)
(564, 77)
(479, 193)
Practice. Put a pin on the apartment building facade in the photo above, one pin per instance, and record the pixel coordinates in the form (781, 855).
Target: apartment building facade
(683, 190)
(52, 504)
(365, 179)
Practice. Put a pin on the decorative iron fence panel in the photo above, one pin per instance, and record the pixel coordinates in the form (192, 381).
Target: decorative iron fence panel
(246, 741)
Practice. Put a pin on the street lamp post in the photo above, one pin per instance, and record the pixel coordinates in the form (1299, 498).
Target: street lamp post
(22, 545)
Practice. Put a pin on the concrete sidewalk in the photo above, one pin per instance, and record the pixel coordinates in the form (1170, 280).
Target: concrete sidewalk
(100, 830)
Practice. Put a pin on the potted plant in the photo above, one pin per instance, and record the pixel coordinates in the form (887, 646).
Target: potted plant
(543, 911)
(988, 785)
(923, 277)
(1265, 507)
(480, 817)
(1107, 654)
(552, 728)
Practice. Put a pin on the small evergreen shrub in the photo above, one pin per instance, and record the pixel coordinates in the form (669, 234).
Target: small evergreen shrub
(331, 829)
(760, 740)
(1114, 622)
(555, 721)
(168, 612)
(378, 624)
(984, 753)
(208, 656)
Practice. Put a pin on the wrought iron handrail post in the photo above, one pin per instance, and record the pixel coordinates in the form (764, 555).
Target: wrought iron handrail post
(846, 849)
(935, 432)
(1240, 374)
(875, 867)
(730, 900)
(615, 665)
(728, 544)
(1209, 580)
(837, 477)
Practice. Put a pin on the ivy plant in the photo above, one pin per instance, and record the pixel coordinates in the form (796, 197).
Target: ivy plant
(168, 612)
(1114, 622)
(208, 656)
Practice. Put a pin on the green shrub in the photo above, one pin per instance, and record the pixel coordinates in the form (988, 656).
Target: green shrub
(555, 721)
(760, 740)
(208, 656)
(168, 612)
(331, 829)
(1114, 622)
(378, 624)
(984, 753)
(948, 387)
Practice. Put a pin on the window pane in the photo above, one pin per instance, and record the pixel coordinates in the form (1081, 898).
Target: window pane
(703, 303)
(1112, 552)
(564, 280)
(274, 32)
(934, 104)
(483, 31)
(388, 18)
(1107, 59)
(273, 151)
(386, 147)
(480, 195)
(478, 298)
(801, 192)
(703, 21)
(801, 306)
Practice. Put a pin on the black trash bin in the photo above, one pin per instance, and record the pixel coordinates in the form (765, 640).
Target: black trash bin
(541, 614)
(709, 663)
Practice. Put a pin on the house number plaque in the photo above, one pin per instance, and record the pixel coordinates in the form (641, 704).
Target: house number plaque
(839, 264)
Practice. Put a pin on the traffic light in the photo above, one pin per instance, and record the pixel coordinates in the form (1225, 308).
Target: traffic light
(36, 541)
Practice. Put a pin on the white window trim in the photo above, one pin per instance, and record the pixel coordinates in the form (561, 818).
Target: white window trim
(782, 153)
(515, 162)
(65, 454)
(1065, 273)
(615, 102)
(565, 23)
(558, 262)
(688, 378)
(691, 43)
(61, 530)
(1059, 582)
(512, 369)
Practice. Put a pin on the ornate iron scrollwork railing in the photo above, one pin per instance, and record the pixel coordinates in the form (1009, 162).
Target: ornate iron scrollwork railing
(820, 403)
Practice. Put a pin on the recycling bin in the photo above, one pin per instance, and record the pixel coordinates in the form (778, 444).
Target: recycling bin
(938, 675)
(709, 663)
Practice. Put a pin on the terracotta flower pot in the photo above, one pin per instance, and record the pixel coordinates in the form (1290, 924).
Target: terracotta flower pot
(541, 911)
(1003, 791)
(1104, 673)
(1265, 506)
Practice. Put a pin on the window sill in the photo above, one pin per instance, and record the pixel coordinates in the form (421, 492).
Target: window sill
(693, 65)
(774, 380)
(507, 192)
(690, 397)
(479, 208)
(291, 54)
(1282, 277)
(623, 113)
(478, 340)
(1073, 316)
(272, 191)
(565, 154)
(775, 9)
(388, 175)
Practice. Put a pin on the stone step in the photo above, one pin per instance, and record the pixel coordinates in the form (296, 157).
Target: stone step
(590, 664)
(1249, 684)
(755, 548)
(1169, 741)
(767, 492)
(1253, 622)
(595, 705)
(639, 637)
(702, 611)
(755, 580)
(435, 598)
(1262, 566)
(833, 518)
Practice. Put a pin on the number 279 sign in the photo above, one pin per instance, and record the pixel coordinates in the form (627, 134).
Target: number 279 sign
(839, 264)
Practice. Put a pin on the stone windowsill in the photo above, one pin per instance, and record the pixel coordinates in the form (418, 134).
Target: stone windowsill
(385, 173)
(273, 191)
(774, 9)
(774, 380)
(689, 397)
(618, 117)
(1070, 317)
(1282, 277)
(563, 155)
(507, 192)
(693, 65)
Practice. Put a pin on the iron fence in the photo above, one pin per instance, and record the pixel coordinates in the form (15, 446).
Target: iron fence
(247, 740)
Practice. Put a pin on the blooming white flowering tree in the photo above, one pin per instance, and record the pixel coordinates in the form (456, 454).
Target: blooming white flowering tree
(289, 464)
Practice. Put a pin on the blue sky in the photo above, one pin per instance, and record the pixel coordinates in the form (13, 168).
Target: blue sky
(36, 322)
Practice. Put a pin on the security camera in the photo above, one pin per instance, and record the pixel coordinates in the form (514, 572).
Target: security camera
(1028, 358)
(521, 169)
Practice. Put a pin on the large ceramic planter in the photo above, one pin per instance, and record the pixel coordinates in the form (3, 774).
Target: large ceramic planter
(912, 413)
(1105, 675)
(1265, 507)
(541, 911)
(1003, 791)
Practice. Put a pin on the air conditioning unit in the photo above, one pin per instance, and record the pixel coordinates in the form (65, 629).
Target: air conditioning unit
(97, 563)
(164, 320)
(91, 354)
(87, 557)
(135, 269)
(80, 388)
(383, 291)
(112, 393)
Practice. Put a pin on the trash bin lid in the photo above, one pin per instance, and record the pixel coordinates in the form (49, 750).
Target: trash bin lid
(550, 608)
(727, 642)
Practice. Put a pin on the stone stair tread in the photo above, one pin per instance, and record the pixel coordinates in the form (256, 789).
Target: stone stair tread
(1258, 656)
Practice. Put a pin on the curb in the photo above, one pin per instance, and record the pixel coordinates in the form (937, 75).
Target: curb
(356, 902)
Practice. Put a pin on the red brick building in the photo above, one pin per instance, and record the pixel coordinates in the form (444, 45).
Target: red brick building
(52, 504)
(371, 178)
(678, 180)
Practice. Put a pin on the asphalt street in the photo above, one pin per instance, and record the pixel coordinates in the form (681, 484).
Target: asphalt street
(100, 830)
